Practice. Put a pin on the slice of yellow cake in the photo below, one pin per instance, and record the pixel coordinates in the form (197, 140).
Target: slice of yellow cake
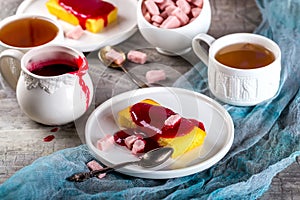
(160, 126)
(185, 143)
(91, 15)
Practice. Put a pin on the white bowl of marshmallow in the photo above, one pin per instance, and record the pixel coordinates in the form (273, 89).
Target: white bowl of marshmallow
(170, 25)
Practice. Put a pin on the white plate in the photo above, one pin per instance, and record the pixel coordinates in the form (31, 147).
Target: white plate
(217, 121)
(123, 28)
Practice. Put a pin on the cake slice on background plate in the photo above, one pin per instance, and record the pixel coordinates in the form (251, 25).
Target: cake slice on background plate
(91, 15)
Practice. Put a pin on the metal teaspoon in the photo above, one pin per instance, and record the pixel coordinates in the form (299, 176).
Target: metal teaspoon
(150, 159)
(108, 63)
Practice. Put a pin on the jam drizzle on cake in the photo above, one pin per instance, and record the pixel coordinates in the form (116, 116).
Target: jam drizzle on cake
(152, 123)
(88, 9)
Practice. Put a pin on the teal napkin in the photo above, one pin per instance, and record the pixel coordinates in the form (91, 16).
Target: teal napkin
(266, 140)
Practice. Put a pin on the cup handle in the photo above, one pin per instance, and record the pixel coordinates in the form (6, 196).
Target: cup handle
(200, 50)
(10, 66)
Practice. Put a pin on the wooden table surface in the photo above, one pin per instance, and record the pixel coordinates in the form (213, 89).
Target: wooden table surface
(21, 140)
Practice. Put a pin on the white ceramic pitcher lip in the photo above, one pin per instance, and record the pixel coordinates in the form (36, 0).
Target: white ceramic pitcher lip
(275, 50)
(59, 35)
(36, 49)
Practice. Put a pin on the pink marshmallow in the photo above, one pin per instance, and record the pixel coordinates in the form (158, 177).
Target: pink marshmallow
(198, 3)
(165, 4)
(152, 7)
(171, 22)
(148, 17)
(144, 9)
(105, 143)
(94, 165)
(157, 19)
(129, 141)
(138, 146)
(196, 11)
(183, 18)
(154, 76)
(172, 120)
(184, 6)
(137, 57)
(75, 33)
(155, 24)
(169, 10)
(115, 56)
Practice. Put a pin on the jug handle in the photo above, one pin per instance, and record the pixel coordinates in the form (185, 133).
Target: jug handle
(198, 47)
(10, 66)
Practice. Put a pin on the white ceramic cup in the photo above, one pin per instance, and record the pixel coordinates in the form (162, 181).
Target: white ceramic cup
(241, 87)
(175, 41)
(12, 53)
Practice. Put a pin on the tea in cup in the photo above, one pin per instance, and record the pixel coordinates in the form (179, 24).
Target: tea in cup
(20, 33)
(243, 68)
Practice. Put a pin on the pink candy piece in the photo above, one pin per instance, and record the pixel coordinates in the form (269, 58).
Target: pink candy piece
(137, 57)
(75, 33)
(171, 22)
(165, 4)
(198, 3)
(155, 24)
(105, 143)
(129, 141)
(144, 9)
(138, 146)
(196, 11)
(181, 16)
(184, 6)
(94, 165)
(172, 120)
(169, 10)
(154, 76)
(148, 17)
(157, 19)
(115, 56)
(152, 7)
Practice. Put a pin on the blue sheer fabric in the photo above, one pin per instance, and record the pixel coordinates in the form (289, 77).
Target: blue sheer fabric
(266, 140)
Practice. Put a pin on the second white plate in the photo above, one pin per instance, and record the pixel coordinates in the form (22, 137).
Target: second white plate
(111, 35)
(189, 104)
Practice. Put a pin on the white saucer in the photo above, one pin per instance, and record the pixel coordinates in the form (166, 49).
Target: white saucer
(123, 28)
